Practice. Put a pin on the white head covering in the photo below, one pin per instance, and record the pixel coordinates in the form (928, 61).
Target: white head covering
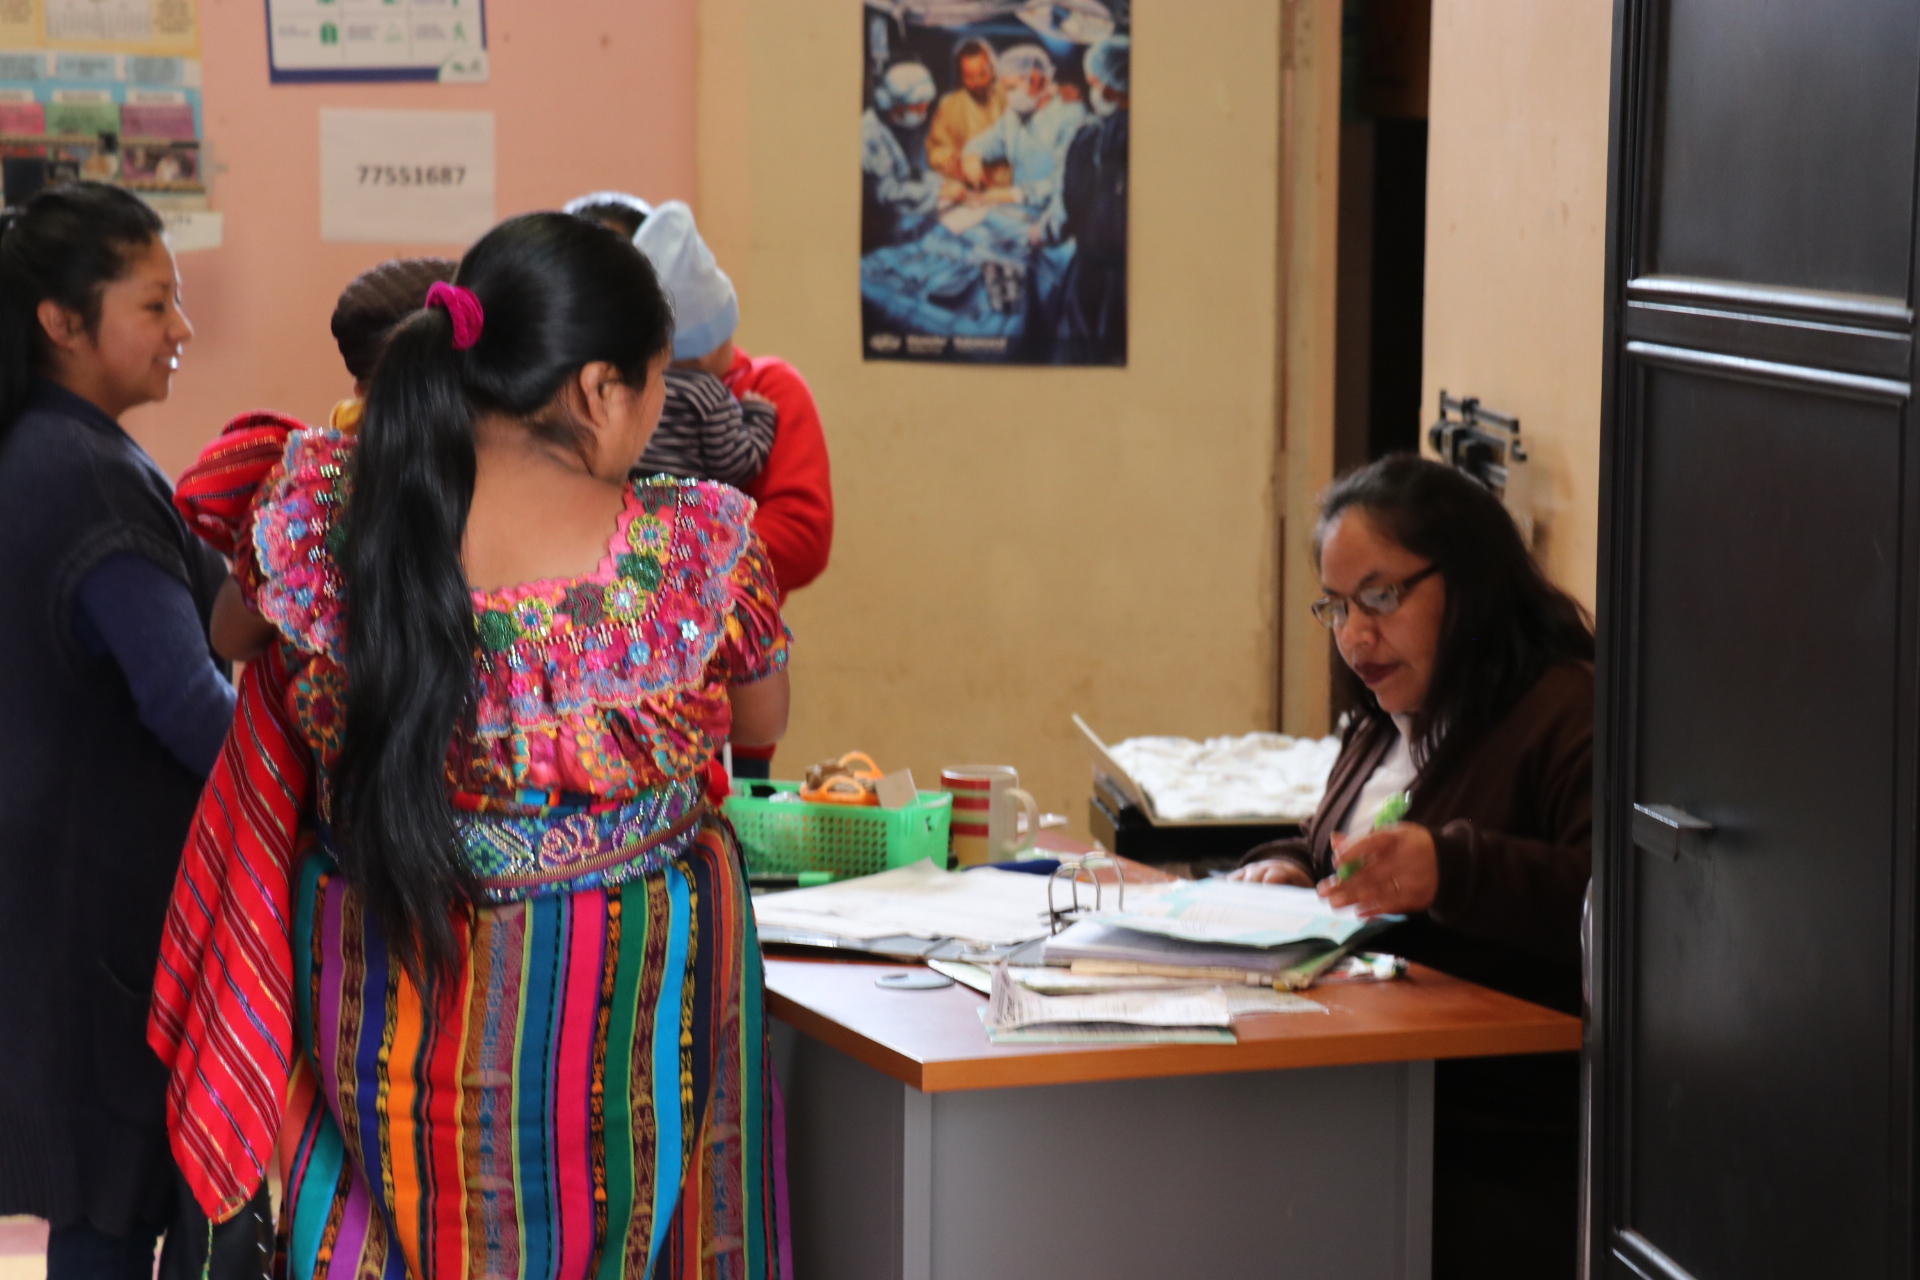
(593, 198)
(906, 84)
(705, 310)
(1022, 61)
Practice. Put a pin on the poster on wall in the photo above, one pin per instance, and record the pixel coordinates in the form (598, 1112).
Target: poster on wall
(312, 41)
(993, 156)
(103, 89)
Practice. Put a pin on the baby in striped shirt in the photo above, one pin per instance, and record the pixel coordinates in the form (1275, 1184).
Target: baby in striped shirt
(704, 432)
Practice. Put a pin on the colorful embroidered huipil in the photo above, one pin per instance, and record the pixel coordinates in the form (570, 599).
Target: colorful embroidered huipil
(591, 1097)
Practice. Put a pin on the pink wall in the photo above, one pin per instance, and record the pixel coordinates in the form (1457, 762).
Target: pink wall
(588, 94)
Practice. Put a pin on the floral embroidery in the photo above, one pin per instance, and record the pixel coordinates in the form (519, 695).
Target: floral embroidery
(296, 543)
(535, 617)
(624, 600)
(519, 850)
(655, 493)
(649, 535)
(317, 699)
(498, 630)
(609, 685)
(643, 569)
(583, 605)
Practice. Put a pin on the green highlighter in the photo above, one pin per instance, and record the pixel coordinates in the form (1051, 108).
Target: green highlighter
(1391, 812)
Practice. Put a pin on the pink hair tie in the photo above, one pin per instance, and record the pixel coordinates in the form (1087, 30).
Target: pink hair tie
(463, 306)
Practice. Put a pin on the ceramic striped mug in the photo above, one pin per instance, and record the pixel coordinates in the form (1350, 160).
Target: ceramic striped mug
(987, 804)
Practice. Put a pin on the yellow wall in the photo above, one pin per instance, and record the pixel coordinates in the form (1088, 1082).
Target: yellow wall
(1516, 253)
(1015, 545)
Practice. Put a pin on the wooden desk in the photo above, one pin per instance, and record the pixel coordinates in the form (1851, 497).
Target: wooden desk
(920, 1151)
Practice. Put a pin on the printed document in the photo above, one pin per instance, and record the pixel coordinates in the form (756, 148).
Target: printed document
(986, 907)
(1235, 911)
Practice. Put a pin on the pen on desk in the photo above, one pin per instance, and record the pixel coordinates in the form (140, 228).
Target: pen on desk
(1392, 811)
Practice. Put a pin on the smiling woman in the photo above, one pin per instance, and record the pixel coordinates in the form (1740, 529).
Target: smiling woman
(114, 710)
(1477, 702)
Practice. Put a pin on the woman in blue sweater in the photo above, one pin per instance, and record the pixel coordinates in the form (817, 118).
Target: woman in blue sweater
(114, 708)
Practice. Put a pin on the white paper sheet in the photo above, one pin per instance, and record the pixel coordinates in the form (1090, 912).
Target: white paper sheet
(986, 907)
(1051, 980)
(191, 230)
(1234, 911)
(406, 177)
(1104, 1033)
(1013, 1005)
(129, 21)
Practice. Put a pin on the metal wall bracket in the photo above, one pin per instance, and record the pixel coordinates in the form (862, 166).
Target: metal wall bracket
(1486, 445)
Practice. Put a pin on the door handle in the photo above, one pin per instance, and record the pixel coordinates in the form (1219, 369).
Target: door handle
(1662, 828)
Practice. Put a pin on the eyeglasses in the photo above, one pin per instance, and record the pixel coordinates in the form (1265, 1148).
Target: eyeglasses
(1376, 602)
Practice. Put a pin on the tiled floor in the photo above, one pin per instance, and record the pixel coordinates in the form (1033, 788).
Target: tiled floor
(23, 1249)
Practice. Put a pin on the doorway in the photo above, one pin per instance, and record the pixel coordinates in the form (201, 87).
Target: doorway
(1383, 229)
(1381, 282)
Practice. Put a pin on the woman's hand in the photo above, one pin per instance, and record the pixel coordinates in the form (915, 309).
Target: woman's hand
(1398, 872)
(1273, 871)
(236, 632)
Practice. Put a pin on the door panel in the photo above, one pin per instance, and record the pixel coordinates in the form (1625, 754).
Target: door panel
(1786, 144)
(1770, 526)
(1758, 690)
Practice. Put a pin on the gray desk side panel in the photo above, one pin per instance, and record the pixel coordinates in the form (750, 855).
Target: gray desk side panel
(1324, 1174)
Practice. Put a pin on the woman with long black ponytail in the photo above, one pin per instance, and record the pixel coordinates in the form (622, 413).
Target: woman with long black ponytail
(113, 709)
(527, 985)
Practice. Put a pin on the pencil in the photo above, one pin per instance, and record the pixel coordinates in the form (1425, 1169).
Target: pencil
(1392, 811)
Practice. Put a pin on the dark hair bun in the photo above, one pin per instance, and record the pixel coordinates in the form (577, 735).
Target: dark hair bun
(377, 300)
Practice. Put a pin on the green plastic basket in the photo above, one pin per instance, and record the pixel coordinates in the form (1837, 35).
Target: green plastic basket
(787, 837)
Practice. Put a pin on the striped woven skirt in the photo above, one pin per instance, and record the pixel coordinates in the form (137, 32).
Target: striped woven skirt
(591, 1099)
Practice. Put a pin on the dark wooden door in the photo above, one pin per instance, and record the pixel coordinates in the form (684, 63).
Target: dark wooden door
(1754, 890)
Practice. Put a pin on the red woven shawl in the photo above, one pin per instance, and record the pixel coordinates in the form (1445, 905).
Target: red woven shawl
(222, 1016)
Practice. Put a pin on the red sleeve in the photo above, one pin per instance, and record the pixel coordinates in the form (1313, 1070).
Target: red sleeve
(795, 489)
(215, 494)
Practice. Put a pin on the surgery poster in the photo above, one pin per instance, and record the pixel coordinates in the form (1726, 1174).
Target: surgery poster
(993, 157)
(330, 40)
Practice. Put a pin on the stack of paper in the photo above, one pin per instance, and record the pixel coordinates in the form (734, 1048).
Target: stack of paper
(1102, 947)
(1187, 1014)
(1178, 964)
(1215, 931)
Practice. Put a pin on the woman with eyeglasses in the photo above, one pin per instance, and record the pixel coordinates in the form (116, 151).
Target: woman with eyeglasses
(1476, 699)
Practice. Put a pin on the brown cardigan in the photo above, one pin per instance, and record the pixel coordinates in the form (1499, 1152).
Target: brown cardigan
(1512, 819)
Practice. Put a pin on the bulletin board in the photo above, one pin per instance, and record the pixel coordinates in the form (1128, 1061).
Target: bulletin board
(102, 89)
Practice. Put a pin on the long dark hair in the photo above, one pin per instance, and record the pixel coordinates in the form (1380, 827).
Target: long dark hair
(1504, 624)
(67, 243)
(558, 292)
